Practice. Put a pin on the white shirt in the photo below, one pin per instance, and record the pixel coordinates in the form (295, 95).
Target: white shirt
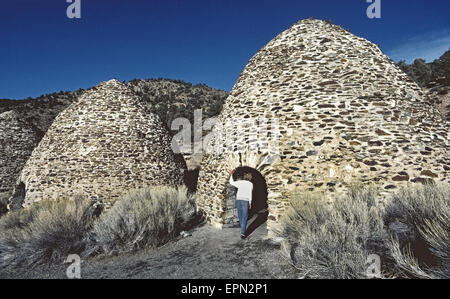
(244, 191)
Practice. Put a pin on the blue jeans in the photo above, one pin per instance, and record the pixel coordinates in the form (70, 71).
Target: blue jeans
(242, 209)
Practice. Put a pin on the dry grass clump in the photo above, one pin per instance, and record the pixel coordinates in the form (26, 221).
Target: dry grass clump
(411, 235)
(20, 218)
(145, 218)
(419, 219)
(48, 231)
(333, 240)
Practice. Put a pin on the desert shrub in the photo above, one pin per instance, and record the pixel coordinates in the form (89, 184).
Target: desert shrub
(47, 232)
(145, 218)
(333, 239)
(19, 218)
(419, 219)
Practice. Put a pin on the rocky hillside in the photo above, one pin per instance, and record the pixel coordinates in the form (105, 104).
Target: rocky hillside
(434, 77)
(171, 99)
(425, 73)
(168, 98)
(40, 112)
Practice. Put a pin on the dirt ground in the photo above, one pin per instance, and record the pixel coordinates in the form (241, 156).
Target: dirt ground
(207, 253)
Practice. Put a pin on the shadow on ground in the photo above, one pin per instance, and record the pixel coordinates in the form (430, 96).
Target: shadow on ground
(258, 221)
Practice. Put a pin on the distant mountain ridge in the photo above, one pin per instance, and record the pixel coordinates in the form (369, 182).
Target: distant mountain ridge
(169, 99)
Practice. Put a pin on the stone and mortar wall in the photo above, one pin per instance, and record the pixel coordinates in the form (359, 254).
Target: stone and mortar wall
(102, 146)
(23, 124)
(17, 140)
(346, 114)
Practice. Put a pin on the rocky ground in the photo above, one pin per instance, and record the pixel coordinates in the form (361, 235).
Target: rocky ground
(206, 253)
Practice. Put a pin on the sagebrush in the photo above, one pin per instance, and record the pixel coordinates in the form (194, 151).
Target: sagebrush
(333, 239)
(48, 231)
(145, 218)
(419, 219)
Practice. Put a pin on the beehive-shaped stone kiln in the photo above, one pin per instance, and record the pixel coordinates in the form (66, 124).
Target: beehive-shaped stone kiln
(17, 140)
(341, 112)
(102, 146)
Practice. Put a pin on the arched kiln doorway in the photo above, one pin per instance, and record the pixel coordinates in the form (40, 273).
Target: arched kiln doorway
(259, 196)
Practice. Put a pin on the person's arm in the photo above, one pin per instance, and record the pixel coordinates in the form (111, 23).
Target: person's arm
(233, 182)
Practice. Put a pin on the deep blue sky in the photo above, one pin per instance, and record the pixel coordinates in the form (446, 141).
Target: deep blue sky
(198, 41)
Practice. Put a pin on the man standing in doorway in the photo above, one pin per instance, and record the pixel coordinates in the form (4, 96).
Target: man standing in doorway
(243, 199)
